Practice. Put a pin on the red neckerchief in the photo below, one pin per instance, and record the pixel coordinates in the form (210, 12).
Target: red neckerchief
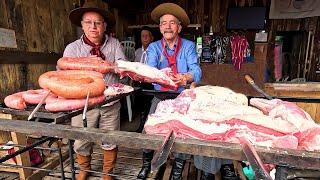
(95, 48)
(172, 61)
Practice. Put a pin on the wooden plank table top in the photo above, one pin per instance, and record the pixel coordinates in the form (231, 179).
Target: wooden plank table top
(291, 158)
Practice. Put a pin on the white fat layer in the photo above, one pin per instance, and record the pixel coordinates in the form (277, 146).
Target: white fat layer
(143, 69)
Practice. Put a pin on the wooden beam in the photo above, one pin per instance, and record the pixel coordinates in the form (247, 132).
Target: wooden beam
(16, 57)
(292, 158)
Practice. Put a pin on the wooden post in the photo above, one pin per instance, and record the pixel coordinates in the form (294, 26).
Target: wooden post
(4, 135)
(22, 159)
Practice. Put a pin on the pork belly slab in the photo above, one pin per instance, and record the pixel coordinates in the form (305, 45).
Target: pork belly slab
(216, 113)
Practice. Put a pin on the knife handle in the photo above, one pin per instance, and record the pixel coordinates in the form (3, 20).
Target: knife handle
(249, 79)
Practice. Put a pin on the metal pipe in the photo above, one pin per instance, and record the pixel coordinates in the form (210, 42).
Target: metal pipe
(27, 148)
(61, 164)
(29, 167)
(73, 171)
(22, 146)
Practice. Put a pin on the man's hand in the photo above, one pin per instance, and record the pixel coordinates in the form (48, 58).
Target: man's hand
(181, 79)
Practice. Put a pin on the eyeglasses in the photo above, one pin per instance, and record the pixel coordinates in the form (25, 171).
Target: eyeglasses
(171, 23)
(95, 23)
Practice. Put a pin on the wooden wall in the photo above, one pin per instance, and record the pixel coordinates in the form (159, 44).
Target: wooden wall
(214, 13)
(40, 26)
(304, 24)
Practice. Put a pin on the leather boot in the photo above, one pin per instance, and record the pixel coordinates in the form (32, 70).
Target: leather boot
(177, 169)
(84, 164)
(146, 166)
(109, 162)
(228, 172)
(207, 176)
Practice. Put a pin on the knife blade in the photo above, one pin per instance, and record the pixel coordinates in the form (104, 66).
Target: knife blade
(38, 106)
(257, 88)
(254, 160)
(163, 152)
(84, 117)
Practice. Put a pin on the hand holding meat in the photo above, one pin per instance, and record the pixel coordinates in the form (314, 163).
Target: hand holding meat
(144, 73)
(181, 79)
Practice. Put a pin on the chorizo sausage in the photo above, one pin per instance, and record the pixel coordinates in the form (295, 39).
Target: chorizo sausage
(85, 63)
(15, 101)
(61, 104)
(35, 96)
(73, 84)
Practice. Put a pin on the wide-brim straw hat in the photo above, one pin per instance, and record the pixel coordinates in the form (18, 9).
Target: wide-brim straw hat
(75, 15)
(173, 9)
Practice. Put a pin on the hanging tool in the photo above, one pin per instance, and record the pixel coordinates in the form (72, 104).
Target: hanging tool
(256, 87)
(84, 117)
(38, 106)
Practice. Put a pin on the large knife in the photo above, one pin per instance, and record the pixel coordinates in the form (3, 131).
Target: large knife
(257, 88)
(84, 117)
(38, 106)
(252, 156)
(163, 152)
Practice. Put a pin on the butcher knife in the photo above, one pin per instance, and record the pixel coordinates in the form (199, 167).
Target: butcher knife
(38, 106)
(84, 117)
(257, 88)
(254, 160)
(163, 152)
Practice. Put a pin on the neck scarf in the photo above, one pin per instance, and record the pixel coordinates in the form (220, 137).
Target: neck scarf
(95, 48)
(172, 61)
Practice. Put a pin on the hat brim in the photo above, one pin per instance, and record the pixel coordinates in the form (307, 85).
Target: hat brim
(75, 15)
(170, 8)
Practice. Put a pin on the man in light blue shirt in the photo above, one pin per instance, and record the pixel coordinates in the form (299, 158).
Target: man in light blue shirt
(176, 53)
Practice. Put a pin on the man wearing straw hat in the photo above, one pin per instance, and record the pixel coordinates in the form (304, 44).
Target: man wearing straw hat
(178, 54)
(95, 43)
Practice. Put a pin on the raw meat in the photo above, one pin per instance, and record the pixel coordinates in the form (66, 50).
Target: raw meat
(144, 73)
(85, 63)
(61, 104)
(35, 96)
(15, 101)
(73, 84)
(116, 89)
(217, 113)
(286, 110)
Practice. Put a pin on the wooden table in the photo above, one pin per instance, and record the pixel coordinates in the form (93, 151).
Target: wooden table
(291, 158)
